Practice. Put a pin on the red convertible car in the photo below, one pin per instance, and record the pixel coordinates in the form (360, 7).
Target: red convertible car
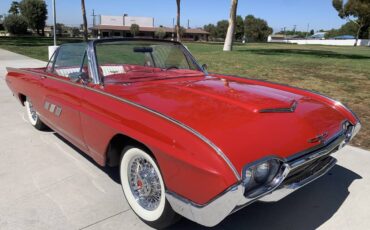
(186, 142)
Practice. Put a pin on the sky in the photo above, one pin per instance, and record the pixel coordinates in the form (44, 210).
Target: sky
(318, 14)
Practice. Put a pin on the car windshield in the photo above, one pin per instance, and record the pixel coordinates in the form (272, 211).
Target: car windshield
(127, 60)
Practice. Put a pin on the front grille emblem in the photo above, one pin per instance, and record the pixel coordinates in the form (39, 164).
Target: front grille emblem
(320, 138)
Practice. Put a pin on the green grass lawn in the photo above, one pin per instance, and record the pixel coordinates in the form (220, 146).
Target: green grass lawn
(342, 73)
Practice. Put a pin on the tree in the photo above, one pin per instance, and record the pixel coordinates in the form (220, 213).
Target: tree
(221, 28)
(178, 2)
(15, 24)
(228, 46)
(312, 32)
(85, 32)
(350, 28)
(239, 28)
(211, 29)
(74, 32)
(160, 32)
(35, 12)
(14, 8)
(59, 29)
(256, 29)
(357, 11)
(134, 29)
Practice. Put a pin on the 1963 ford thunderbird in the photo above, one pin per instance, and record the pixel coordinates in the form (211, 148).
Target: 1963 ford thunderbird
(187, 143)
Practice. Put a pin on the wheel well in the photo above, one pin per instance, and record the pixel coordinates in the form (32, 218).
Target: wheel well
(22, 98)
(117, 144)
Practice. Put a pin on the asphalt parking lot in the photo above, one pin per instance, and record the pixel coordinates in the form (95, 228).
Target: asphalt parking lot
(46, 183)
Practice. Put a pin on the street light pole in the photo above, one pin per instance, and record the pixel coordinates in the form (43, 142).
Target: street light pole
(52, 49)
(55, 23)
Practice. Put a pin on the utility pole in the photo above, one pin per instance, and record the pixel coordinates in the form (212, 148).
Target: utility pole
(188, 23)
(173, 29)
(308, 28)
(54, 23)
(93, 15)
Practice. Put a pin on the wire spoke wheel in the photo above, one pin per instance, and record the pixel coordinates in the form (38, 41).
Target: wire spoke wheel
(144, 183)
(144, 189)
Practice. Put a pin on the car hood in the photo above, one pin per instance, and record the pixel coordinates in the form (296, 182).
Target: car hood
(247, 121)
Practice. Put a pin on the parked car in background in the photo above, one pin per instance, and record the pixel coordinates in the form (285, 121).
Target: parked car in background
(344, 37)
(186, 142)
(318, 36)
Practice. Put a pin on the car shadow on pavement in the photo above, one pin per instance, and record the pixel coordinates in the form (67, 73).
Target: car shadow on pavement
(112, 172)
(307, 208)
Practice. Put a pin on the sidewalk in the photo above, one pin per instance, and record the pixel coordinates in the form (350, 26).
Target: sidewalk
(45, 183)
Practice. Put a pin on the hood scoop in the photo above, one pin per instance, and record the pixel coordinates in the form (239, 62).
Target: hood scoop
(289, 109)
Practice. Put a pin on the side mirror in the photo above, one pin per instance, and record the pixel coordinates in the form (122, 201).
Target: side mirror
(205, 67)
(77, 76)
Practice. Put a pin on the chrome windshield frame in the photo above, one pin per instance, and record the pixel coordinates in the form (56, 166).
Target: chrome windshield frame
(93, 60)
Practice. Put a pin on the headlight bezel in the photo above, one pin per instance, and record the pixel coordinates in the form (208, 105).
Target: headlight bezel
(279, 169)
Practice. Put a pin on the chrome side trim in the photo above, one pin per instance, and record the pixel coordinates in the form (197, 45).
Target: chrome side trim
(178, 123)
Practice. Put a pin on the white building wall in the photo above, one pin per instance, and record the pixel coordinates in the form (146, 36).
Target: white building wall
(332, 42)
(111, 20)
(141, 21)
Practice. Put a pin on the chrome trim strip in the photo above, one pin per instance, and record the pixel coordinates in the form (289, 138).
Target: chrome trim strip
(178, 123)
(317, 154)
(212, 213)
(92, 62)
(285, 190)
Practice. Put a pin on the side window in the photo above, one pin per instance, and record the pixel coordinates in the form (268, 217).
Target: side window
(69, 59)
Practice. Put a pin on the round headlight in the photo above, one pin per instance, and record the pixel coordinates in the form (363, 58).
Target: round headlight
(262, 172)
(247, 177)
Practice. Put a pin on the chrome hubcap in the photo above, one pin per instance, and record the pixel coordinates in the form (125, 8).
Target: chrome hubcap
(144, 183)
(32, 110)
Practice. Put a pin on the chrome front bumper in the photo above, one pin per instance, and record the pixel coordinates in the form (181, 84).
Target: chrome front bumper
(300, 170)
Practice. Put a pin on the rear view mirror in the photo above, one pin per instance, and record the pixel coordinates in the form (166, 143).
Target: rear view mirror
(77, 76)
(205, 67)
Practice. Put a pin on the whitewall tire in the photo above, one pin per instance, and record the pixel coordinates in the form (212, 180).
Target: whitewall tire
(144, 188)
(33, 116)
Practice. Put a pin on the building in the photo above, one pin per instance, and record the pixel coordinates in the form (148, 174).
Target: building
(119, 26)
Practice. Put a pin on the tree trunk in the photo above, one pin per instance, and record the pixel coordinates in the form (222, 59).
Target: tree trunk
(178, 21)
(84, 20)
(358, 34)
(228, 46)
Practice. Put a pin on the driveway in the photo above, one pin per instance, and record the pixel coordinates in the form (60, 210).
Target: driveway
(46, 183)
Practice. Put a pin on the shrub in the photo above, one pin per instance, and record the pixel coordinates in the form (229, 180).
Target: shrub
(160, 33)
(15, 24)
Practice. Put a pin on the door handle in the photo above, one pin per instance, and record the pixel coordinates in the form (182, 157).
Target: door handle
(43, 77)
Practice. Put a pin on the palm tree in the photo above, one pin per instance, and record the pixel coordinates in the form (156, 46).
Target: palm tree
(14, 8)
(178, 21)
(84, 20)
(228, 46)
